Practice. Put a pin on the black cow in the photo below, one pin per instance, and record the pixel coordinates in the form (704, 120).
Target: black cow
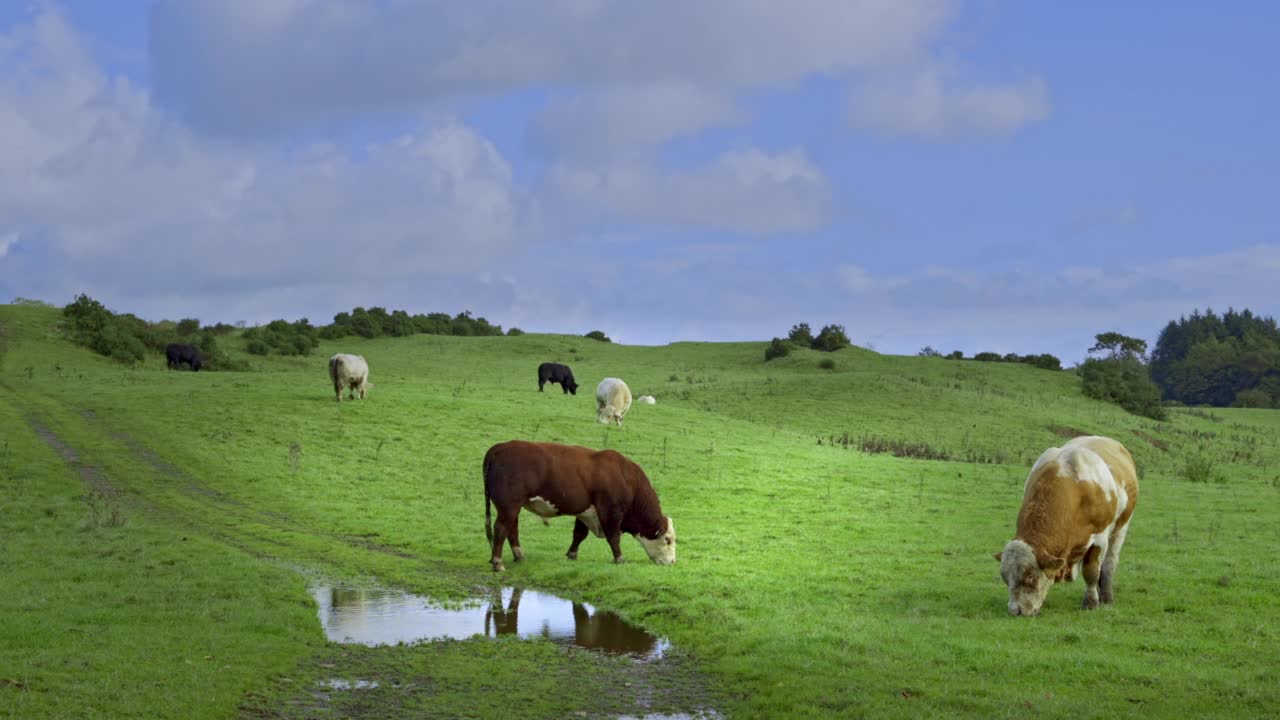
(178, 354)
(557, 373)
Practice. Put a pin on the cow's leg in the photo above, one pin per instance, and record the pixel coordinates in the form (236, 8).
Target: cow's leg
(564, 387)
(1092, 567)
(1109, 562)
(363, 388)
(613, 533)
(501, 526)
(580, 533)
(513, 537)
(337, 390)
(541, 382)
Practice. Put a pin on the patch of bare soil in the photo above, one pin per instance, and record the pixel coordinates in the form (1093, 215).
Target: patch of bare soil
(92, 477)
(1151, 440)
(1066, 431)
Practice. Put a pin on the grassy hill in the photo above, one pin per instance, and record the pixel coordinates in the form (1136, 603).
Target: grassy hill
(152, 520)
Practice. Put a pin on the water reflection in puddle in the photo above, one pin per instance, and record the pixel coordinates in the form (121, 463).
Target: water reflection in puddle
(387, 617)
(337, 684)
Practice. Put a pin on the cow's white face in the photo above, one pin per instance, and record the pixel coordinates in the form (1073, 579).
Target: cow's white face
(608, 414)
(1028, 582)
(661, 549)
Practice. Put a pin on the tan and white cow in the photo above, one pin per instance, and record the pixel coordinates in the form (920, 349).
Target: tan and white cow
(1075, 512)
(613, 400)
(349, 372)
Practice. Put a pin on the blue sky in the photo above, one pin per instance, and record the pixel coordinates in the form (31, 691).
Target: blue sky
(985, 176)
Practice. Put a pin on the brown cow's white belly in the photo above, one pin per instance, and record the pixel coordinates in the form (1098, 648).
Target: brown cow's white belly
(540, 507)
(591, 520)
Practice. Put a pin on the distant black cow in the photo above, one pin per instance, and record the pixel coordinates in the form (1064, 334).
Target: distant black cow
(178, 354)
(557, 373)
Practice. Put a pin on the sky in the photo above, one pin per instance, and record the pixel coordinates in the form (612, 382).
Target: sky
(977, 176)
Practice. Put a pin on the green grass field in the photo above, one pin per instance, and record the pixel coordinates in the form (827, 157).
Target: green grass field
(151, 519)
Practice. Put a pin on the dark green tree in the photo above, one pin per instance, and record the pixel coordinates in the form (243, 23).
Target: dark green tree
(801, 335)
(1116, 345)
(831, 338)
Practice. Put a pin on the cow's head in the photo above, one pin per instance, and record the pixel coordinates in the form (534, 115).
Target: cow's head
(573, 387)
(661, 549)
(1029, 576)
(608, 414)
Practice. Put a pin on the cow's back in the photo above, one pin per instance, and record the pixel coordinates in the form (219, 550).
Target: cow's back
(343, 366)
(1076, 490)
(563, 475)
(1121, 465)
(614, 392)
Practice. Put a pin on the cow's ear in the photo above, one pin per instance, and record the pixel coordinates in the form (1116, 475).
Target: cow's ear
(1052, 565)
(998, 556)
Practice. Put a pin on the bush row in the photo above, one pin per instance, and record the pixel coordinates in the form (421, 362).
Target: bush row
(127, 338)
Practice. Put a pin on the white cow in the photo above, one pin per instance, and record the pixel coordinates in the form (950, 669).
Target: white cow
(647, 400)
(613, 400)
(350, 372)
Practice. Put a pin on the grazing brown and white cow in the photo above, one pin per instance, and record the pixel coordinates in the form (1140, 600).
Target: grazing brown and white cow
(349, 372)
(1075, 513)
(613, 400)
(606, 492)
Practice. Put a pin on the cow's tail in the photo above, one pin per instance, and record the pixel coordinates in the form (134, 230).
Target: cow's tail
(488, 518)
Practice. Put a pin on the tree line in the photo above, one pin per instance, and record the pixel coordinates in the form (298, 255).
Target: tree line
(127, 338)
(1209, 359)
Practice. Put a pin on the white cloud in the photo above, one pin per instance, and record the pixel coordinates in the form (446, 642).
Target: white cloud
(248, 65)
(934, 103)
(620, 121)
(747, 191)
(6, 242)
(125, 197)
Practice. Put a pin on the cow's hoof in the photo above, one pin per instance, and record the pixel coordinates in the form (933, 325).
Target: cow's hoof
(617, 560)
(498, 566)
(571, 555)
(1090, 603)
(1106, 597)
(518, 553)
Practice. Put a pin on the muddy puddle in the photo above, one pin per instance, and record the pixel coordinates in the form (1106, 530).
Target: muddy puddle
(378, 616)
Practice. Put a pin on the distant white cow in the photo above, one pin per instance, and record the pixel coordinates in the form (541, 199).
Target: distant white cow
(350, 372)
(613, 400)
(647, 400)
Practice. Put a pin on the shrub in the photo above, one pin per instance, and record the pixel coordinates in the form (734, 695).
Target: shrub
(334, 331)
(1202, 469)
(1044, 361)
(955, 355)
(928, 351)
(188, 326)
(1254, 398)
(514, 331)
(213, 357)
(777, 348)
(988, 357)
(827, 364)
(91, 324)
(283, 337)
(801, 335)
(598, 335)
(220, 328)
(831, 338)
(1125, 382)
